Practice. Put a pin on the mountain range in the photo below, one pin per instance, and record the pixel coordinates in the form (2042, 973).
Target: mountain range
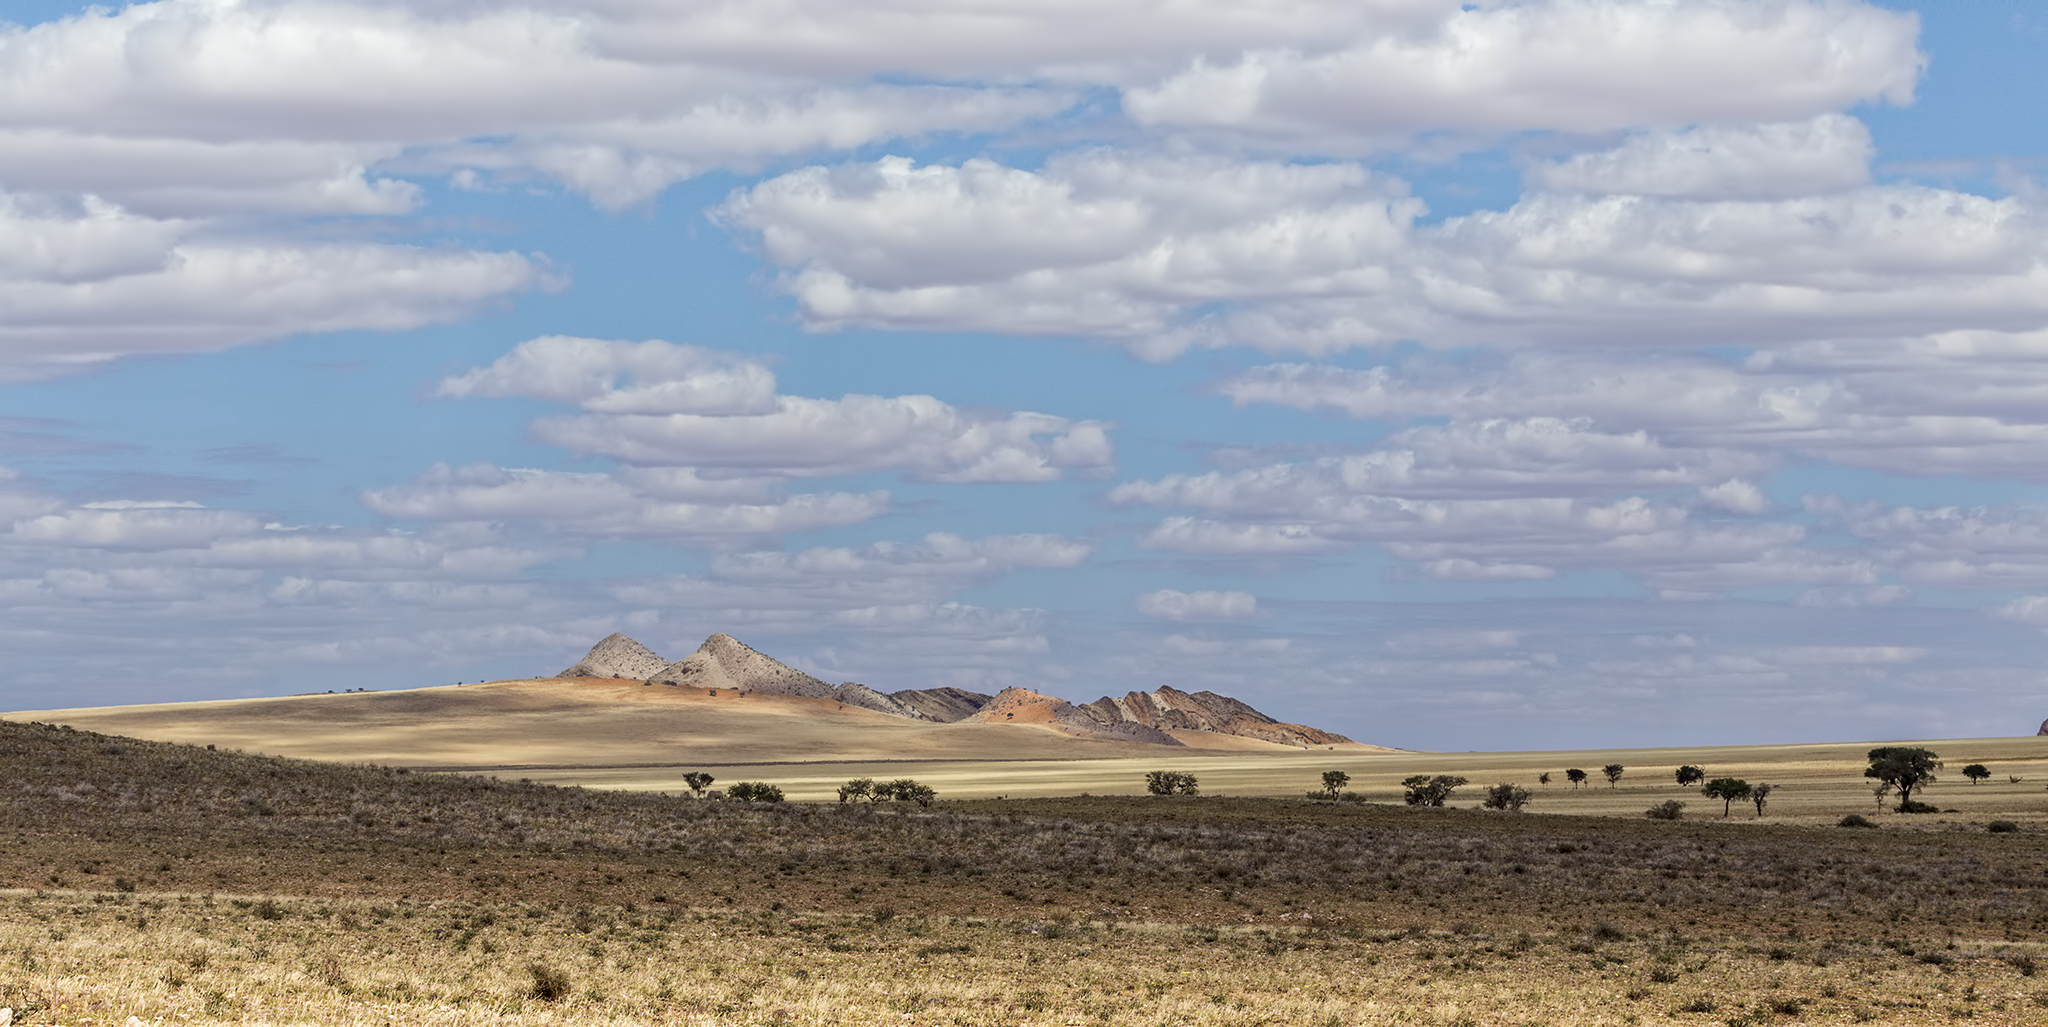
(724, 662)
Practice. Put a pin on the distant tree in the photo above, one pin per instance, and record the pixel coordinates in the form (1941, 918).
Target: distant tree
(1690, 775)
(698, 781)
(1334, 782)
(1171, 782)
(1760, 794)
(1669, 809)
(1543, 779)
(1726, 789)
(1976, 772)
(1613, 772)
(858, 788)
(1509, 797)
(1904, 768)
(905, 790)
(1879, 790)
(754, 791)
(1427, 790)
(1576, 776)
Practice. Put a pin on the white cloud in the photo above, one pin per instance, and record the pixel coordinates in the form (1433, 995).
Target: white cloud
(660, 377)
(603, 505)
(1570, 65)
(1827, 154)
(83, 285)
(1169, 604)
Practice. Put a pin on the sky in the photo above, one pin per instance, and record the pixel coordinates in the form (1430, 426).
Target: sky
(1510, 375)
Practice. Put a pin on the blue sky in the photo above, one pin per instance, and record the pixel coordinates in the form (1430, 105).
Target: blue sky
(1457, 376)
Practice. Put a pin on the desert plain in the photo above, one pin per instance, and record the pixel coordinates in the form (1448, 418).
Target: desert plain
(526, 853)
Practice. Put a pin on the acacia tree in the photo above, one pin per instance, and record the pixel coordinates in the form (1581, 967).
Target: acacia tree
(1726, 789)
(1760, 794)
(1690, 775)
(1976, 772)
(1425, 790)
(1613, 772)
(1904, 768)
(698, 781)
(1334, 782)
(1576, 776)
(858, 788)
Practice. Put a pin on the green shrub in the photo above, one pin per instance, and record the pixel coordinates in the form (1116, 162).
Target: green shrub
(1854, 820)
(754, 791)
(1913, 806)
(1510, 797)
(1171, 782)
(1669, 809)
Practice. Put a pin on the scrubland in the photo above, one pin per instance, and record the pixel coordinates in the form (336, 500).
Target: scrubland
(177, 884)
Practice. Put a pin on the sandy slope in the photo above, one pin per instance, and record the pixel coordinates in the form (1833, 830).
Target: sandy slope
(588, 722)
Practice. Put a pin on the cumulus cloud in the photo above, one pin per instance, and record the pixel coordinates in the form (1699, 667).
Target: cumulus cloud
(1166, 253)
(1571, 65)
(605, 505)
(1169, 604)
(684, 406)
(1827, 154)
(85, 283)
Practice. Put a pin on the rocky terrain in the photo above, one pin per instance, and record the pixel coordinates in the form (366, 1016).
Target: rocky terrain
(725, 662)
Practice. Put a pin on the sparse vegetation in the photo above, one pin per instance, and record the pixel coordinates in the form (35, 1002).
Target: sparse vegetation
(1171, 782)
(1430, 789)
(368, 895)
(754, 791)
(1669, 809)
(1510, 797)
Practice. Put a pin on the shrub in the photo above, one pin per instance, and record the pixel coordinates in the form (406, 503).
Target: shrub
(1171, 782)
(1427, 790)
(1854, 820)
(1669, 809)
(754, 791)
(549, 984)
(906, 790)
(2001, 827)
(1910, 806)
(858, 788)
(1510, 797)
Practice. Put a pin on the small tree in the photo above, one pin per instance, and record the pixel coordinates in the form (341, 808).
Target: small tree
(1171, 782)
(858, 788)
(1576, 776)
(1760, 794)
(698, 781)
(1613, 772)
(754, 791)
(1543, 779)
(1726, 789)
(1334, 782)
(1425, 790)
(1904, 768)
(1509, 797)
(1976, 772)
(912, 791)
(1690, 775)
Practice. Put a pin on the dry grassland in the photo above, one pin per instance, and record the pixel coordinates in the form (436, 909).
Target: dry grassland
(177, 884)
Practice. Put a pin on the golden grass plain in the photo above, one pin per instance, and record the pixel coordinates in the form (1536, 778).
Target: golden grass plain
(628, 736)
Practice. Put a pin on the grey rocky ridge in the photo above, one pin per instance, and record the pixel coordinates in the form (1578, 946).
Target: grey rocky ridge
(725, 662)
